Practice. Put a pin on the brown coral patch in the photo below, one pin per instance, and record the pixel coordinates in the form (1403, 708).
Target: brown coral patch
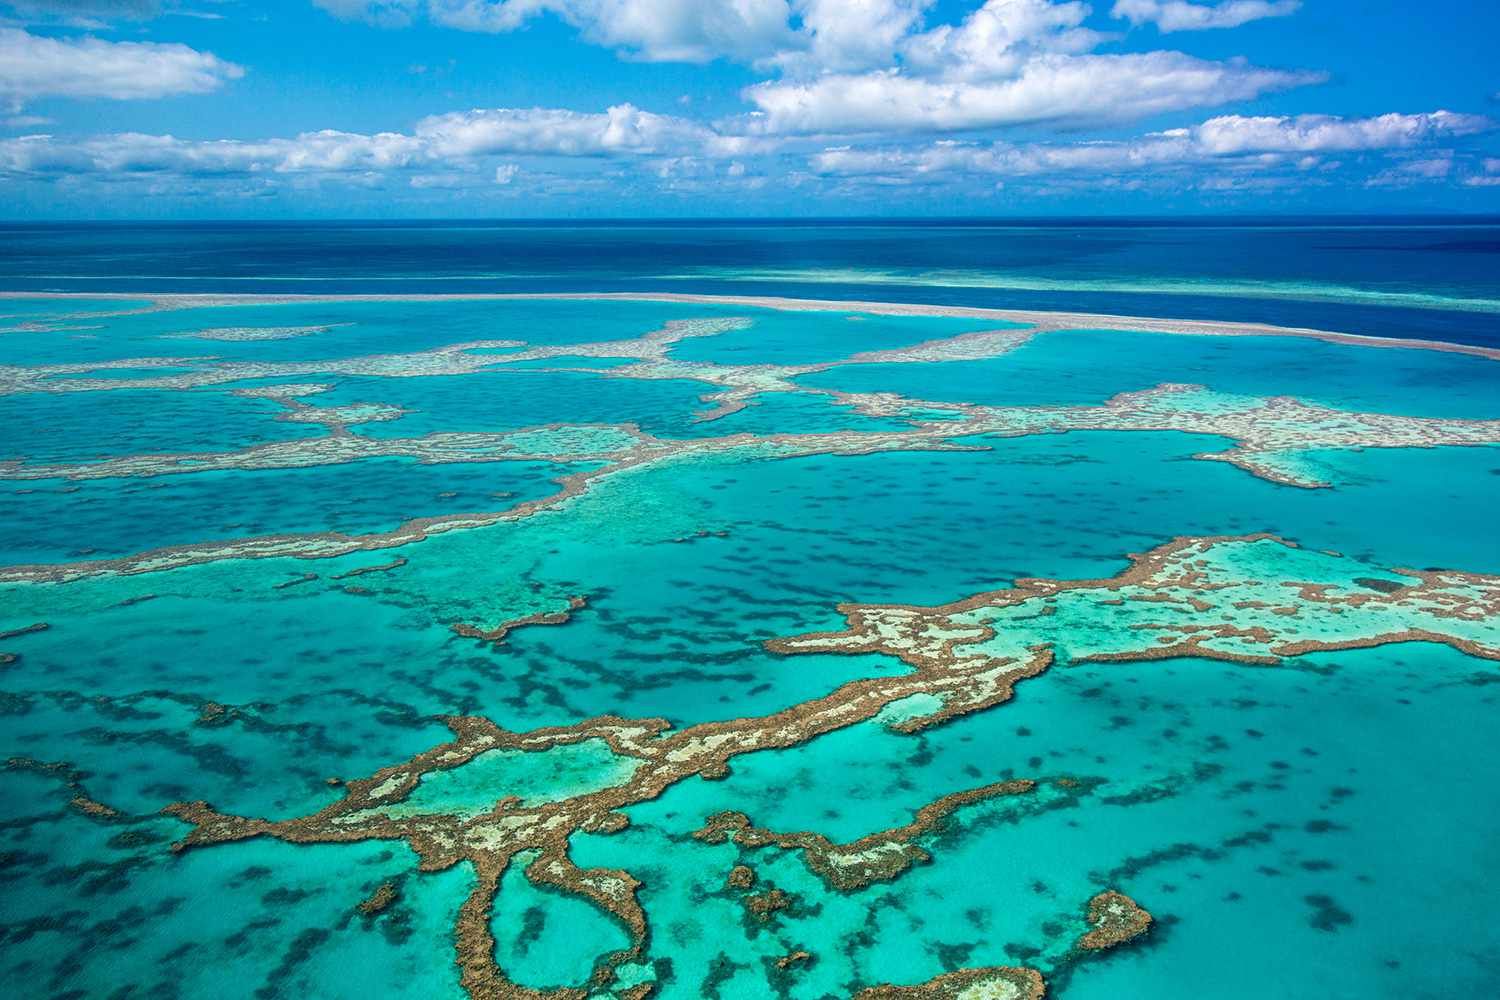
(16, 633)
(499, 632)
(384, 567)
(1113, 919)
(383, 896)
(493, 838)
(916, 633)
(740, 877)
(71, 779)
(764, 905)
(999, 982)
(952, 674)
(878, 857)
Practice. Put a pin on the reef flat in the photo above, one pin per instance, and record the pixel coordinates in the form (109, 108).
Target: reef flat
(960, 663)
(1039, 319)
(1272, 435)
(679, 646)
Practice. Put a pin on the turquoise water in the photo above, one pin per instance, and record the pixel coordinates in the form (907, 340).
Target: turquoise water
(80, 427)
(50, 520)
(1089, 366)
(506, 399)
(800, 338)
(1327, 811)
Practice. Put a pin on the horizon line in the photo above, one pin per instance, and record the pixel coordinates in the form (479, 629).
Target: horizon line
(1243, 218)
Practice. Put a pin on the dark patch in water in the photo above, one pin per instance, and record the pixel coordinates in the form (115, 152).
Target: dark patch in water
(1384, 586)
(1327, 915)
(297, 954)
(533, 922)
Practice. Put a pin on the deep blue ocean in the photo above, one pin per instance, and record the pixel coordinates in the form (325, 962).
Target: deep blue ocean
(1432, 278)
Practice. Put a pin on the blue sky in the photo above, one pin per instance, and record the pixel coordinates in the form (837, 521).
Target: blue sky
(609, 108)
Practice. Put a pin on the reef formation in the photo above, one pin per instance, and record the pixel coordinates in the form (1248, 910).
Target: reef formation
(1252, 599)
(1272, 436)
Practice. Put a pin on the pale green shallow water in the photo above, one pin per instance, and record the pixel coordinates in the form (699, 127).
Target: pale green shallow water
(1317, 829)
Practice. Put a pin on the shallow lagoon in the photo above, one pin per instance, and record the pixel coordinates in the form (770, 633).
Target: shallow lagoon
(1239, 804)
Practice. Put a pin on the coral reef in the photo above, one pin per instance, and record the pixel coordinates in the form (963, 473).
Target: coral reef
(1113, 918)
(1211, 597)
(994, 983)
(878, 857)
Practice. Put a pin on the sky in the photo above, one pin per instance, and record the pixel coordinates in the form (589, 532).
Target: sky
(184, 109)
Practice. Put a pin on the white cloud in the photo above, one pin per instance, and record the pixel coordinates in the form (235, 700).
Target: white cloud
(805, 38)
(1431, 169)
(653, 30)
(850, 66)
(1231, 134)
(870, 74)
(33, 66)
(623, 128)
(1257, 143)
(1009, 62)
(456, 139)
(1180, 15)
(1414, 171)
(477, 149)
(849, 35)
(1048, 88)
(997, 39)
(684, 30)
(134, 153)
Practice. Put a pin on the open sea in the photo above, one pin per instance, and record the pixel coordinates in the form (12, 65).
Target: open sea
(1412, 276)
(565, 610)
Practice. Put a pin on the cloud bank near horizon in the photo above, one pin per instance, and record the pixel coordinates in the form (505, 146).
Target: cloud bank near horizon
(846, 99)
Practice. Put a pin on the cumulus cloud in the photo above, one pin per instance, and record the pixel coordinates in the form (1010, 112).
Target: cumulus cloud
(1411, 172)
(1009, 62)
(998, 38)
(850, 66)
(1180, 15)
(472, 149)
(621, 129)
(878, 78)
(1047, 88)
(1232, 134)
(849, 35)
(1261, 142)
(806, 38)
(1489, 175)
(653, 30)
(134, 153)
(456, 139)
(33, 66)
